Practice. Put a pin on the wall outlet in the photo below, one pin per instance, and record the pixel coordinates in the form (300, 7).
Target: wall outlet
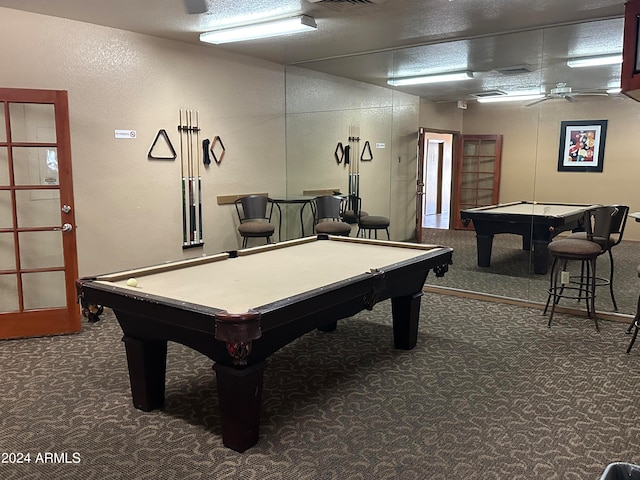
(565, 278)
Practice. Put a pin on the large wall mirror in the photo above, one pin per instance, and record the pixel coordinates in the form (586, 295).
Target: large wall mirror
(326, 99)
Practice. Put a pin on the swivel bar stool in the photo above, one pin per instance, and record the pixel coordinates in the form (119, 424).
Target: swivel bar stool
(598, 222)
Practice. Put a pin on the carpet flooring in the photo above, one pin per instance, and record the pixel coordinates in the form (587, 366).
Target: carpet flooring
(488, 393)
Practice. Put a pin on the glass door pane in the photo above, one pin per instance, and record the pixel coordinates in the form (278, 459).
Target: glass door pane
(32, 123)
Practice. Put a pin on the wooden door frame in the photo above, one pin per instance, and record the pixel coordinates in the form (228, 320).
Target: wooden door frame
(54, 320)
(455, 142)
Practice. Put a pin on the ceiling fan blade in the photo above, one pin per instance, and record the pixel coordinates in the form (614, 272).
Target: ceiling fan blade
(535, 102)
(195, 7)
(570, 98)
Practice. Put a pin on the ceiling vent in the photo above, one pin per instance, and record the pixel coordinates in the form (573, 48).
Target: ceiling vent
(516, 69)
(344, 4)
(489, 93)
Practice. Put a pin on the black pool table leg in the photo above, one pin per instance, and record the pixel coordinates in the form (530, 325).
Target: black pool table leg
(541, 257)
(484, 243)
(239, 398)
(406, 314)
(147, 362)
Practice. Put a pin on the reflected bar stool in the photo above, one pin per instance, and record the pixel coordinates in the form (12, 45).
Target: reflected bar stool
(373, 223)
(635, 322)
(560, 285)
(327, 209)
(352, 211)
(607, 242)
(598, 222)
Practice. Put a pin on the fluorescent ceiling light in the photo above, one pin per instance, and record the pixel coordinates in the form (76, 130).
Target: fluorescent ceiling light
(271, 28)
(437, 78)
(510, 98)
(595, 61)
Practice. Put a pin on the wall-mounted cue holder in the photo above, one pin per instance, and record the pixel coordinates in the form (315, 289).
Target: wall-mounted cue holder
(189, 129)
(162, 134)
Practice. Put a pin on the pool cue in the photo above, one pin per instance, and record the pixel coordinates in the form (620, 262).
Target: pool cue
(199, 177)
(184, 200)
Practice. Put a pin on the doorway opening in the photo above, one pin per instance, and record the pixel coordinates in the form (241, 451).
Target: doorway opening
(437, 168)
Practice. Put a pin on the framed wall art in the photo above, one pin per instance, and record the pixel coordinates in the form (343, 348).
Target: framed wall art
(582, 145)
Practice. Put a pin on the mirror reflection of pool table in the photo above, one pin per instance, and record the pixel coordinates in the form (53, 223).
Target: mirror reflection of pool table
(237, 308)
(536, 222)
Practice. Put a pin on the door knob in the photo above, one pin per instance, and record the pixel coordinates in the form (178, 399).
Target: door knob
(67, 227)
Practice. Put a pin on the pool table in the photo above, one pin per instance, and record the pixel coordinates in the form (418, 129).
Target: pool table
(536, 222)
(237, 308)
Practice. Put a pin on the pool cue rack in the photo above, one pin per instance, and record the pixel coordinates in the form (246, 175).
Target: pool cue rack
(354, 160)
(189, 130)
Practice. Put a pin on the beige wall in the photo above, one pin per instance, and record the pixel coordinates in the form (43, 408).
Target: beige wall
(531, 137)
(128, 208)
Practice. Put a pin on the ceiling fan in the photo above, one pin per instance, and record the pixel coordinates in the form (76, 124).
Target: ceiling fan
(564, 91)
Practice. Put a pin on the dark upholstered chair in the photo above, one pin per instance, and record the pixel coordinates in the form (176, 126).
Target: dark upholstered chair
(598, 223)
(254, 213)
(327, 219)
(635, 322)
(618, 223)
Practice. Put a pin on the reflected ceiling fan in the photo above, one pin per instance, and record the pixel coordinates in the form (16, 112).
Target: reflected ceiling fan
(195, 7)
(562, 91)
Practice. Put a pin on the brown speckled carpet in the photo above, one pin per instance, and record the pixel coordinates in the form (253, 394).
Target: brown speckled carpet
(489, 393)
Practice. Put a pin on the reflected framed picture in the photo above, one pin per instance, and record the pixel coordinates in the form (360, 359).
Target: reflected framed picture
(582, 145)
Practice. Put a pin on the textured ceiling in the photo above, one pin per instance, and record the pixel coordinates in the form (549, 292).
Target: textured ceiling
(371, 42)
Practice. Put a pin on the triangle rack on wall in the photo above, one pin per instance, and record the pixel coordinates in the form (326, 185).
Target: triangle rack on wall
(162, 133)
(366, 150)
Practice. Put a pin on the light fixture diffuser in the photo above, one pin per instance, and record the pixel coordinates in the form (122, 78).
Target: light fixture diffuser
(271, 28)
(436, 78)
(510, 98)
(595, 61)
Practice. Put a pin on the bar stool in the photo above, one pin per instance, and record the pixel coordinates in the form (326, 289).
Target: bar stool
(373, 223)
(327, 220)
(563, 251)
(586, 250)
(607, 242)
(635, 322)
